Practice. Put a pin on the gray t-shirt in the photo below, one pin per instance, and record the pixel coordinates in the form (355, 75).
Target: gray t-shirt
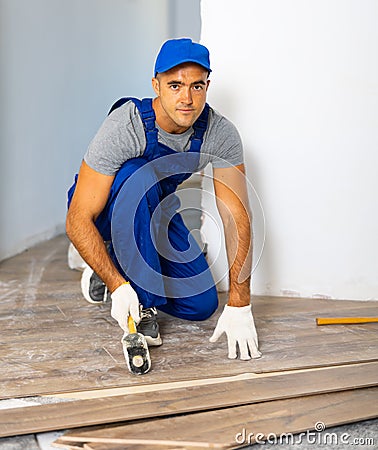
(121, 137)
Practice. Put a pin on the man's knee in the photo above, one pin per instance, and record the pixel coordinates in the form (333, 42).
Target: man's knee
(197, 307)
(205, 305)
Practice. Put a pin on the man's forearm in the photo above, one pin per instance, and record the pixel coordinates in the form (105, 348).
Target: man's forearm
(85, 237)
(238, 238)
(233, 205)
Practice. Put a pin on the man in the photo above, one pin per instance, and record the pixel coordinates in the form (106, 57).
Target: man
(122, 215)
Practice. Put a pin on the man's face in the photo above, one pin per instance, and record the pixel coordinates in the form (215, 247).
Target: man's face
(181, 96)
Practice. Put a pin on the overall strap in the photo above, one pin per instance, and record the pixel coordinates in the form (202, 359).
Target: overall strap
(148, 117)
(123, 100)
(199, 127)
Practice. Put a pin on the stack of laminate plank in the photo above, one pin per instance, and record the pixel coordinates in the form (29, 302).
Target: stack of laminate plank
(54, 343)
(211, 415)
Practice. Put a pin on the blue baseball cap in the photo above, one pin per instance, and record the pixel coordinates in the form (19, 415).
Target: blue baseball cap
(179, 51)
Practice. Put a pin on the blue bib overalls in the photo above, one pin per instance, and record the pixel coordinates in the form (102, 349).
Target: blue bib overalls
(150, 244)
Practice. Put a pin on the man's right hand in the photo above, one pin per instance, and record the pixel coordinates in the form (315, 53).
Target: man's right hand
(124, 303)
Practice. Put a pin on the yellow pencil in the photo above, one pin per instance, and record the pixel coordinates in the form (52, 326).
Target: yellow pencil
(344, 320)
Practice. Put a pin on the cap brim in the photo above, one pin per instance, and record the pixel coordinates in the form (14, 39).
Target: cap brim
(171, 66)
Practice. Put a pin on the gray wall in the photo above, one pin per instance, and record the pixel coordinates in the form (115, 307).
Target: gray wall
(63, 63)
(185, 18)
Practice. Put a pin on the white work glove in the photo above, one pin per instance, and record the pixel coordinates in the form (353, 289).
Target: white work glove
(124, 303)
(239, 326)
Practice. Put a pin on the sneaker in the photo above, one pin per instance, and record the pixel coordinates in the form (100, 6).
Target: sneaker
(149, 327)
(93, 288)
(75, 261)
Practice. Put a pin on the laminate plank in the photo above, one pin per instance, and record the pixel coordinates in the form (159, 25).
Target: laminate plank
(224, 428)
(69, 445)
(289, 305)
(53, 341)
(149, 444)
(107, 446)
(128, 390)
(40, 373)
(144, 405)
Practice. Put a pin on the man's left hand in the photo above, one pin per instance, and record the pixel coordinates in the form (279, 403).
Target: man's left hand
(239, 326)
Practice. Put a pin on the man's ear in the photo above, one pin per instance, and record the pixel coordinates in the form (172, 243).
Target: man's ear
(156, 86)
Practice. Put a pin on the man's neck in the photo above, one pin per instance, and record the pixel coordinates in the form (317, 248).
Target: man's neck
(165, 122)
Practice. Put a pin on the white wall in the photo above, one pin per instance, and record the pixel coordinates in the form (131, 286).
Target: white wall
(63, 63)
(300, 79)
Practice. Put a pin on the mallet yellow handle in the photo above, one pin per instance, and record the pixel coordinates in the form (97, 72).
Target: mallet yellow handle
(131, 325)
(344, 320)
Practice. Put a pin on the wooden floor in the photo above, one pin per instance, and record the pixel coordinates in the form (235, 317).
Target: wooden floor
(53, 341)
